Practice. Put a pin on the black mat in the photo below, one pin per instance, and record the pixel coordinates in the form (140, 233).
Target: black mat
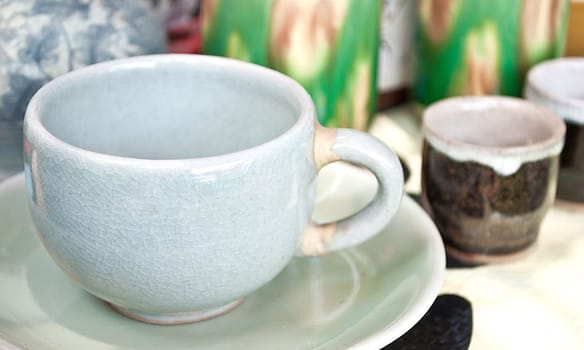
(446, 326)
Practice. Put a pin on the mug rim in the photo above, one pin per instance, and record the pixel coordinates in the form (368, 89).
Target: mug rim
(34, 126)
(505, 160)
(547, 68)
(556, 124)
(537, 83)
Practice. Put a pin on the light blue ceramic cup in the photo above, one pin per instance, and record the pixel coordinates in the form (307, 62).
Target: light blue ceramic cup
(172, 186)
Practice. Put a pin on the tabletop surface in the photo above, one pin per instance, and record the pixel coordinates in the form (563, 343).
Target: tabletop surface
(534, 302)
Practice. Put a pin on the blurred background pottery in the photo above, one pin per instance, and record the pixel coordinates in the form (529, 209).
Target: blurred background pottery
(41, 39)
(175, 13)
(395, 68)
(484, 47)
(329, 47)
(559, 85)
(181, 20)
(574, 42)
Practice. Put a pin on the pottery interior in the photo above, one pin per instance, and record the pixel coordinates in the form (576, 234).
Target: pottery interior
(168, 118)
(482, 122)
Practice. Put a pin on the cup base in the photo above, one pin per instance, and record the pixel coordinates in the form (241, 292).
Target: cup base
(479, 259)
(179, 317)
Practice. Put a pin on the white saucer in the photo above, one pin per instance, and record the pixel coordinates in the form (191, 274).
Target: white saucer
(362, 298)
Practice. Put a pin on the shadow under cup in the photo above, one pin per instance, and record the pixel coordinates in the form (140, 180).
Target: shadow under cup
(489, 173)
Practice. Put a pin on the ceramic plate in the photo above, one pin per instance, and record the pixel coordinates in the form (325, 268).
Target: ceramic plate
(363, 297)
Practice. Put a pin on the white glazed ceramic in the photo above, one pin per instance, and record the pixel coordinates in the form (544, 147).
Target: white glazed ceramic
(172, 186)
(360, 298)
(559, 85)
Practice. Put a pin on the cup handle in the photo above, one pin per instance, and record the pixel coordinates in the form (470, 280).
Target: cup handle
(362, 149)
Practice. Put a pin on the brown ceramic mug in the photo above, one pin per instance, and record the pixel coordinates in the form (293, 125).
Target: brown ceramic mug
(489, 173)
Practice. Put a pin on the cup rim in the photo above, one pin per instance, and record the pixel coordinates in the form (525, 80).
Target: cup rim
(538, 76)
(34, 126)
(538, 79)
(475, 102)
(505, 160)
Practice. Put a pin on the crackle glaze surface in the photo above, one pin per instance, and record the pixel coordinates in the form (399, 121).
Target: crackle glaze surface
(179, 183)
(171, 235)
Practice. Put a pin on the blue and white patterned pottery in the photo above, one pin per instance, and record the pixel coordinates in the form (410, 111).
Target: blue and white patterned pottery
(41, 39)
